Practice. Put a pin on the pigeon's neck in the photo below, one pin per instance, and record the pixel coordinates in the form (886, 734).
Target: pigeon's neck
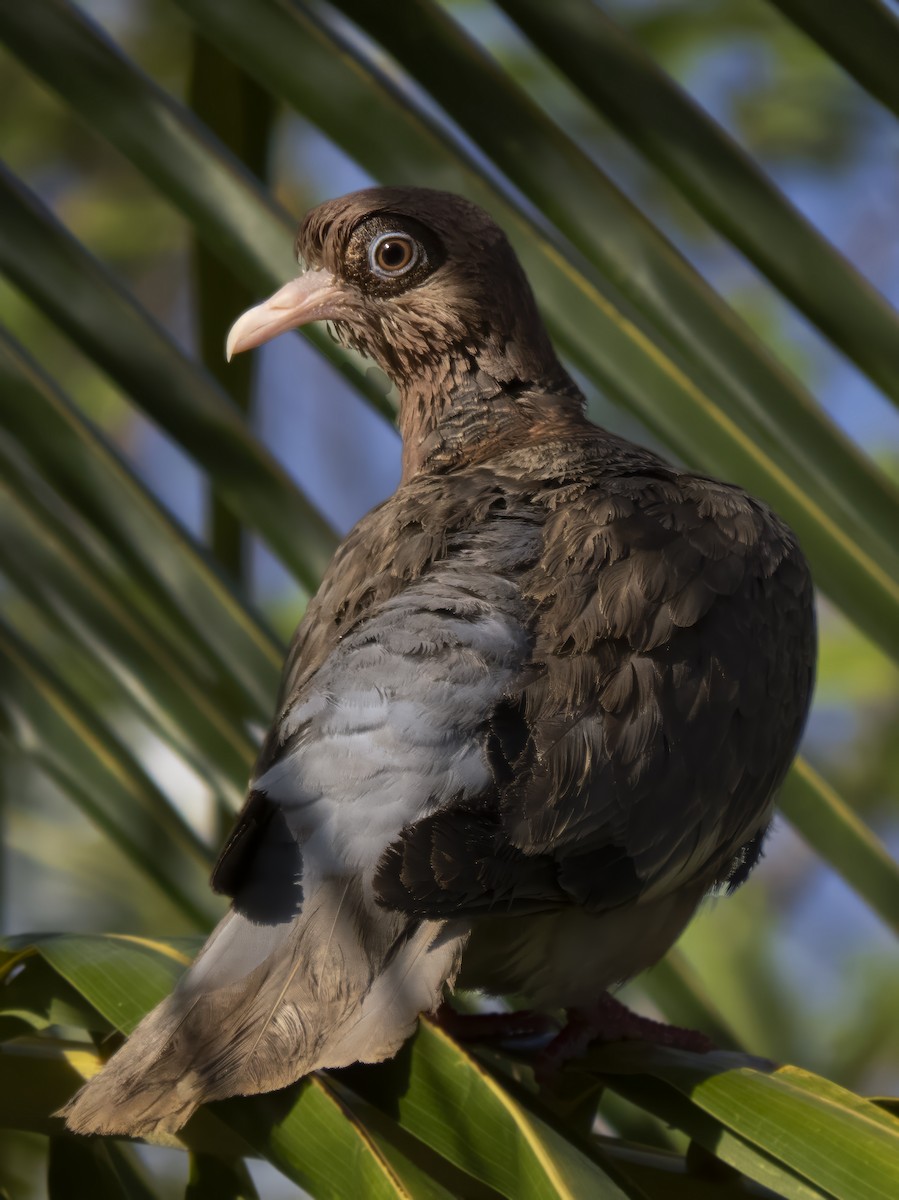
(472, 405)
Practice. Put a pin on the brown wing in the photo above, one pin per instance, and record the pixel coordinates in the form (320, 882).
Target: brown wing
(672, 664)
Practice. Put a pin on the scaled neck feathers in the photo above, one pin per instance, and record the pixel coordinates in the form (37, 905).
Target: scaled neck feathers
(469, 406)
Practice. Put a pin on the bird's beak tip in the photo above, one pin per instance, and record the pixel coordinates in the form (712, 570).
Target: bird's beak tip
(309, 298)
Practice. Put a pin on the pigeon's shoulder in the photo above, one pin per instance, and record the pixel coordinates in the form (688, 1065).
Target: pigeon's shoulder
(674, 537)
(653, 546)
(393, 547)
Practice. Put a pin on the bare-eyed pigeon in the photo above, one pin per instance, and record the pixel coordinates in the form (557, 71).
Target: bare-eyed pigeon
(539, 707)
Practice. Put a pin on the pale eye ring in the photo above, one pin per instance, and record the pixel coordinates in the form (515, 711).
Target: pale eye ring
(393, 254)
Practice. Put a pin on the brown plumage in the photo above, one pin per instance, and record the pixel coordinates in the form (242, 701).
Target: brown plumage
(540, 706)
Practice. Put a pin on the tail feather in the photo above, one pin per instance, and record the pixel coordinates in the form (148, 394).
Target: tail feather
(338, 984)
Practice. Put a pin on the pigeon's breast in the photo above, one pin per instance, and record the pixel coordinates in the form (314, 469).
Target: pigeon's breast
(570, 957)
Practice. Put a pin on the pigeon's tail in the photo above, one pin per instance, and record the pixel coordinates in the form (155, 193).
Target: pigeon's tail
(265, 1004)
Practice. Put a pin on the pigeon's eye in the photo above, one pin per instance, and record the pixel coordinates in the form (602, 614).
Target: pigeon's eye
(393, 254)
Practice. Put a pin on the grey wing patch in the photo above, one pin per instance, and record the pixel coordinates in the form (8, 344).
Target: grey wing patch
(394, 727)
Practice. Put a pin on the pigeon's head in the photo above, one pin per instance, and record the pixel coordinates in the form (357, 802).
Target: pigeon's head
(421, 281)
